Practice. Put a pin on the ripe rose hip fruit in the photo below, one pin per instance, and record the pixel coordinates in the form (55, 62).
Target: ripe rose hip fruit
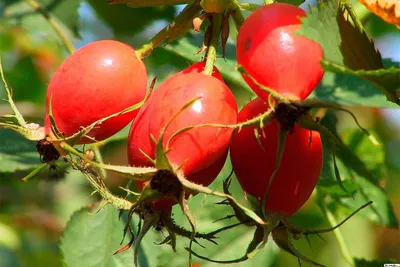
(202, 151)
(98, 80)
(271, 52)
(199, 67)
(253, 165)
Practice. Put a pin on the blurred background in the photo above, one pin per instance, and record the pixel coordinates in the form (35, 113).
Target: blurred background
(34, 214)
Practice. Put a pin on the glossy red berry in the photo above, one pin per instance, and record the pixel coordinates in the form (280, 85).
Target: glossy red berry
(201, 151)
(271, 52)
(98, 80)
(253, 164)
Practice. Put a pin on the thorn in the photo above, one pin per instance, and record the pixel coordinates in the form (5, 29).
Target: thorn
(321, 237)
(224, 218)
(309, 242)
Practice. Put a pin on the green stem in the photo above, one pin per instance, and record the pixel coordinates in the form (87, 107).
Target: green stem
(182, 19)
(212, 49)
(250, 6)
(18, 115)
(99, 158)
(348, 6)
(146, 49)
(54, 24)
(267, 2)
(339, 237)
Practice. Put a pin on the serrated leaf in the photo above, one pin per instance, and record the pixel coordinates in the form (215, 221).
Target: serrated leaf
(373, 263)
(17, 153)
(346, 45)
(342, 43)
(352, 167)
(91, 239)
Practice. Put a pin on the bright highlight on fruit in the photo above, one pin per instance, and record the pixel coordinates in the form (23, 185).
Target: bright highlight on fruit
(271, 52)
(97, 81)
(199, 152)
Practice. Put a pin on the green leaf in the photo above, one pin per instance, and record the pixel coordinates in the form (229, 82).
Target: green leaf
(187, 48)
(146, 3)
(16, 153)
(91, 239)
(352, 168)
(124, 20)
(348, 47)
(342, 43)
(351, 91)
(332, 187)
(21, 14)
(8, 257)
(7, 41)
(387, 80)
(292, 2)
(26, 81)
(373, 263)
(342, 89)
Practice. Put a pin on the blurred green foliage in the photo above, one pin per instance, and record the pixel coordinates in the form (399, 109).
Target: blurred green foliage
(33, 215)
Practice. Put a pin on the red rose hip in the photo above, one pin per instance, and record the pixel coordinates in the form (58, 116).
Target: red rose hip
(98, 80)
(271, 52)
(200, 151)
(253, 164)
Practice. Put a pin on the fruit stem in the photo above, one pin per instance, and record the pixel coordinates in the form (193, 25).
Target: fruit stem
(146, 49)
(349, 7)
(18, 115)
(99, 158)
(267, 2)
(212, 48)
(53, 23)
(339, 237)
(179, 23)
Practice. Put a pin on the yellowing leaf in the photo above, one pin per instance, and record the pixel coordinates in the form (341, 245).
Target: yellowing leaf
(388, 10)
